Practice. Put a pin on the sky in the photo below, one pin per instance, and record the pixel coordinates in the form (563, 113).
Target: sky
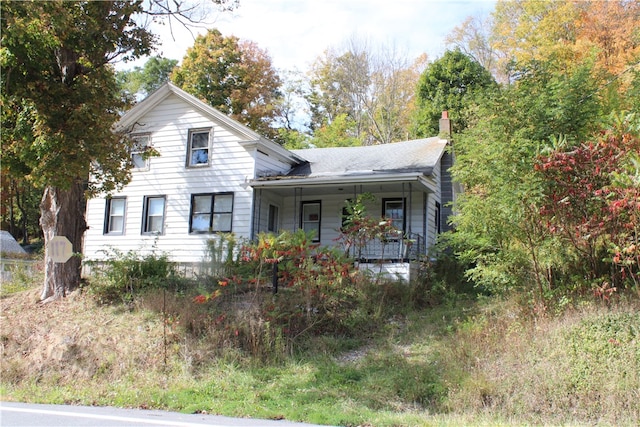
(296, 32)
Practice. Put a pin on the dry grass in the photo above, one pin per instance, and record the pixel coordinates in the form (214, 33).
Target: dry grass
(582, 366)
(487, 364)
(74, 340)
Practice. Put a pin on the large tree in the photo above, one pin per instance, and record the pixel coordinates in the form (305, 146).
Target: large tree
(450, 83)
(569, 32)
(372, 89)
(60, 100)
(235, 76)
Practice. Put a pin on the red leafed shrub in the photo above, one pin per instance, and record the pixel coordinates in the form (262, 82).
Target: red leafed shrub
(592, 201)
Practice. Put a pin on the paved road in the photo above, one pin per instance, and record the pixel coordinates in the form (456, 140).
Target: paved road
(31, 415)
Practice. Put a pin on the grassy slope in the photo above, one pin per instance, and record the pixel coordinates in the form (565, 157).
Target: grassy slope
(473, 364)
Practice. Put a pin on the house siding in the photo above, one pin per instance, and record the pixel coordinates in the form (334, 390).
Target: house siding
(331, 213)
(231, 165)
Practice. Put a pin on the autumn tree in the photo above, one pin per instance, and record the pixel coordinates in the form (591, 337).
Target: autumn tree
(474, 38)
(60, 100)
(235, 76)
(570, 32)
(373, 90)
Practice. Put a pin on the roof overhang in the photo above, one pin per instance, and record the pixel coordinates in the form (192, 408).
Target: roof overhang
(335, 181)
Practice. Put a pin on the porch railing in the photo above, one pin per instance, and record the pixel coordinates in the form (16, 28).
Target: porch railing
(409, 248)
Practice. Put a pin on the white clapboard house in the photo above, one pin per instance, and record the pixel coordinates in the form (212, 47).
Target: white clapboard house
(213, 175)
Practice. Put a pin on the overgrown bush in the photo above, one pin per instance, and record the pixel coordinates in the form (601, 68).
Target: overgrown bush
(123, 275)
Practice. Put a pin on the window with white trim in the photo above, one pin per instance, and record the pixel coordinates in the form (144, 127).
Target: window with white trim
(153, 215)
(199, 148)
(140, 145)
(114, 215)
(211, 213)
(310, 220)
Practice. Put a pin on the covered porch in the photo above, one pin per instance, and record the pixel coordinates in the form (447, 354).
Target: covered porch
(408, 200)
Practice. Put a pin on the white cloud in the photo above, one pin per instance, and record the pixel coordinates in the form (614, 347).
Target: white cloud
(295, 32)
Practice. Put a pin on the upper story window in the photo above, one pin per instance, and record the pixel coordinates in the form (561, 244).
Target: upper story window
(153, 215)
(211, 213)
(140, 145)
(311, 218)
(114, 215)
(199, 147)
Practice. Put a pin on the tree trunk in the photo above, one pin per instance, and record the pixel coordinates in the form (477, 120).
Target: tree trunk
(63, 214)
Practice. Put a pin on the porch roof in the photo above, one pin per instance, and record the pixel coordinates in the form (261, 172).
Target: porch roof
(399, 161)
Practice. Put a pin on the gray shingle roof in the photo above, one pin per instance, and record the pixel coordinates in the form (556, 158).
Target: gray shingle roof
(419, 155)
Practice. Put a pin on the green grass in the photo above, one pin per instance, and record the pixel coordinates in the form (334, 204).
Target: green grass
(465, 363)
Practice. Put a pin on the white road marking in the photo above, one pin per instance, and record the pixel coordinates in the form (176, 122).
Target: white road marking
(108, 417)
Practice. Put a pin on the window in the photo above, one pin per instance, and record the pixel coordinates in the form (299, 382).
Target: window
(311, 218)
(198, 148)
(393, 209)
(140, 144)
(114, 215)
(437, 218)
(153, 216)
(273, 219)
(211, 213)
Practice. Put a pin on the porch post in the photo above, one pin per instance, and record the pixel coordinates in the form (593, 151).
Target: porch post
(254, 213)
(425, 217)
(259, 216)
(410, 208)
(295, 208)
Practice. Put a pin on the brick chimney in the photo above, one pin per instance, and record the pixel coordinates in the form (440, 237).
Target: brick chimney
(445, 124)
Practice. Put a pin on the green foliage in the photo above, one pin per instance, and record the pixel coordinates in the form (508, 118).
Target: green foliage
(591, 203)
(450, 83)
(124, 275)
(500, 233)
(54, 54)
(220, 257)
(319, 294)
(20, 275)
(370, 94)
(549, 101)
(21, 212)
(148, 78)
(596, 344)
(337, 133)
(292, 139)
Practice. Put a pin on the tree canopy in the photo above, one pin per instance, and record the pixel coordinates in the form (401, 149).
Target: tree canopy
(449, 83)
(235, 76)
(370, 91)
(60, 100)
(144, 80)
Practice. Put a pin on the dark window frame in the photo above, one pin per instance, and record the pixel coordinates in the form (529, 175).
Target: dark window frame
(145, 215)
(305, 203)
(190, 147)
(108, 216)
(273, 221)
(212, 212)
(404, 212)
